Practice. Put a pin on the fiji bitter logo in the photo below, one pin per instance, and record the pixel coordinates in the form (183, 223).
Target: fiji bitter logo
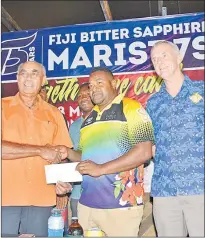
(16, 51)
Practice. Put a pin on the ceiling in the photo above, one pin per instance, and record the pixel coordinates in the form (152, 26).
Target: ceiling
(41, 14)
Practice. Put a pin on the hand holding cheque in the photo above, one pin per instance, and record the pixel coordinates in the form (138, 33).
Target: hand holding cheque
(70, 172)
(63, 174)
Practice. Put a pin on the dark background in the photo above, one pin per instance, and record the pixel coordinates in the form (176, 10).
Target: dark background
(41, 14)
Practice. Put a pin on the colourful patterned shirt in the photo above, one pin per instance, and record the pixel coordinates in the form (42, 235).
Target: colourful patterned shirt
(105, 136)
(179, 137)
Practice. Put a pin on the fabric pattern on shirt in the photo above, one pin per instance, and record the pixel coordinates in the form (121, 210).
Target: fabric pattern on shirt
(179, 137)
(105, 136)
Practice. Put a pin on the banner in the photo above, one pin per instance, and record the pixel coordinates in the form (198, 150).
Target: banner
(70, 52)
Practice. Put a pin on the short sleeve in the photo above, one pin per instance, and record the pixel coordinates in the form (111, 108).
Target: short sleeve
(148, 108)
(80, 147)
(139, 123)
(74, 132)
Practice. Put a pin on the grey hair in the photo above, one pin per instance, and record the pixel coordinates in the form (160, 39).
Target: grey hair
(174, 46)
(42, 67)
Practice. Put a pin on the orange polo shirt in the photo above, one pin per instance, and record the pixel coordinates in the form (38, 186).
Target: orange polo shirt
(23, 180)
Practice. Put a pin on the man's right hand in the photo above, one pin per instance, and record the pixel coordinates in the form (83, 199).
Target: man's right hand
(51, 154)
(67, 152)
(63, 150)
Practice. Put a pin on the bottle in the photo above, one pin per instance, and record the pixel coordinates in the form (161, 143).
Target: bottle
(55, 223)
(75, 228)
(94, 232)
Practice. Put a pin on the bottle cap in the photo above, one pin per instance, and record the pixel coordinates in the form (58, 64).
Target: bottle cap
(55, 211)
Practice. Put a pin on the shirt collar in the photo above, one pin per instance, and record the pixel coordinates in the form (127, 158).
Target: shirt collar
(116, 100)
(17, 100)
(188, 84)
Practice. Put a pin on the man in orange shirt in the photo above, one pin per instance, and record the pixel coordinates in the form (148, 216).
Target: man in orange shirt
(31, 128)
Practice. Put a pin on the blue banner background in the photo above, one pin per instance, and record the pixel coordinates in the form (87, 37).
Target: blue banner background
(18, 47)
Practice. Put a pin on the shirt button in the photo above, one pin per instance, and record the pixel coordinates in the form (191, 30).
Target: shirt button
(29, 168)
(29, 182)
(30, 138)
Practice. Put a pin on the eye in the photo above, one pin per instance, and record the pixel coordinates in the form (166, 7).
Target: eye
(23, 73)
(34, 74)
(153, 60)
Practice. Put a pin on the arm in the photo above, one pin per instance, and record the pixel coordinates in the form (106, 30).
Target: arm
(141, 137)
(153, 150)
(132, 159)
(150, 113)
(11, 151)
(74, 155)
(63, 188)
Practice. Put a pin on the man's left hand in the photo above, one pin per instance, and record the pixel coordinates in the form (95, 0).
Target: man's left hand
(63, 188)
(90, 168)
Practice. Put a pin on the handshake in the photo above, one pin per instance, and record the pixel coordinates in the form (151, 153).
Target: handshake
(54, 154)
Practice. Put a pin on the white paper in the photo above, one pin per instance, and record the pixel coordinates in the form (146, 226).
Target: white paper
(62, 172)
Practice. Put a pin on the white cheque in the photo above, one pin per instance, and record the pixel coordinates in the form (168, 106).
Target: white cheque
(62, 172)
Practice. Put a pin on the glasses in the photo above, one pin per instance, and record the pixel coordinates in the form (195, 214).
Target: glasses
(32, 75)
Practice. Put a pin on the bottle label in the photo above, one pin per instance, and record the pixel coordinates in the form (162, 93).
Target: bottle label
(94, 232)
(75, 232)
(54, 232)
(80, 236)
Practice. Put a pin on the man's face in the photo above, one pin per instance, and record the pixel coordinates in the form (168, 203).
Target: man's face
(84, 100)
(102, 88)
(166, 60)
(30, 78)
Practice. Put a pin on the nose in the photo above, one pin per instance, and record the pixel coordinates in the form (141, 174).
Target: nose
(28, 76)
(85, 96)
(94, 88)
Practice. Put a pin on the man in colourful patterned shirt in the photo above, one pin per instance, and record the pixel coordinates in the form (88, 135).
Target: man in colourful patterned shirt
(116, 138)
(177, 113)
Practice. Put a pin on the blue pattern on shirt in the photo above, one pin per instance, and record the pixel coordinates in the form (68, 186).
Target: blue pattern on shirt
(179, 137)
(74, 132)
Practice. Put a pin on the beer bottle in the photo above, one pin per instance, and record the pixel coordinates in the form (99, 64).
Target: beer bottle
(75, 228)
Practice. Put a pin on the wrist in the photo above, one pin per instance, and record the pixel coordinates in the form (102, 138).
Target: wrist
(39, 150)
(102, 169)
(68, 152)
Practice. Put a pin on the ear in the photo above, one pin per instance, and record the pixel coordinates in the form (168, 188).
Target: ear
(17, 78)
(179, 59)
(114, 83)
(43, 80)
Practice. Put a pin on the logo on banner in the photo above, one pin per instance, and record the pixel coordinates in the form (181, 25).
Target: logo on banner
(15, 52)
